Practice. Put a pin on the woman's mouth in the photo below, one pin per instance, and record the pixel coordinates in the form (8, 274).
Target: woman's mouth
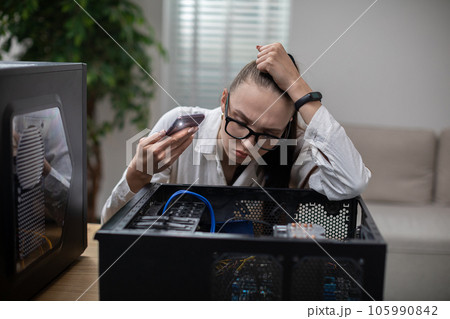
(241, 155)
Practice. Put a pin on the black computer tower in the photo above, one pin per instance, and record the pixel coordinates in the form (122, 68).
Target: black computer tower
(146, 256)
(43, 173)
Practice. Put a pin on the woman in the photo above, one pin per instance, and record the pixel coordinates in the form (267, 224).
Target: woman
(247, 141)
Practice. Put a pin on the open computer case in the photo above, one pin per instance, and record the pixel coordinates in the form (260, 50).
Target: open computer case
(43, 170)
(257, 251)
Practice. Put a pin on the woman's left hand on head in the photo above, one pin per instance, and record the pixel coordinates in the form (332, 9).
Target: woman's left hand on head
(273, 59)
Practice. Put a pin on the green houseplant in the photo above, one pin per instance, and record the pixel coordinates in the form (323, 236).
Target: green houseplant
(60, 31)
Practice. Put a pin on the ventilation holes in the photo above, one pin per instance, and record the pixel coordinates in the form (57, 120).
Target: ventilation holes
(30, 201)
(336, 225)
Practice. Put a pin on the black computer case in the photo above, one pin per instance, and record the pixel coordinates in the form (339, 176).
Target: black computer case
(139, 261)
(43, 172)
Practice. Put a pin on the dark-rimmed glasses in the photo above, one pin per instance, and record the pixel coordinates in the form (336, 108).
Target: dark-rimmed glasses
(241, 131)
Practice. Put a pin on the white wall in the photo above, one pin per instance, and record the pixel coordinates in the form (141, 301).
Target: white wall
(392, 68)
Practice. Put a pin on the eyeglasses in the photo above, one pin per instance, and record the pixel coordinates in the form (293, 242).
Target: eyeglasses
(240, 131)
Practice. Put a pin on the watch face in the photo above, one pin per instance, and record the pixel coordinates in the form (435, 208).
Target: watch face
(316, 96)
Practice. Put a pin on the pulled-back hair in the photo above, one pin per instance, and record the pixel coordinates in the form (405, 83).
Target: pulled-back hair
(250, 73)
(276, 175)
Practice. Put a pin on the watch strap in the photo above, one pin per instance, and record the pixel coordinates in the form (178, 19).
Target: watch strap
(311, 96)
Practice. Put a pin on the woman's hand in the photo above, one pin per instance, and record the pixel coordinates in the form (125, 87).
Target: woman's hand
(158, 153)
(273, 59)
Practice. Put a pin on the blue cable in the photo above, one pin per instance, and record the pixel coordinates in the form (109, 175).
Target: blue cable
(203, 199)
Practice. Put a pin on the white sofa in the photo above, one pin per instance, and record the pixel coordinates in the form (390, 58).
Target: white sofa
(409, 199)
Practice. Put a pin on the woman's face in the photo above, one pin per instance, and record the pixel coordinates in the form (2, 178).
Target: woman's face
(251, 105)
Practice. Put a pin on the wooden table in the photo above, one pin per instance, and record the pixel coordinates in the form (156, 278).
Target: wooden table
(74, 281)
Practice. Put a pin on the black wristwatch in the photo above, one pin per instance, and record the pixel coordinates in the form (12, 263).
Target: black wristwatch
(312, 96)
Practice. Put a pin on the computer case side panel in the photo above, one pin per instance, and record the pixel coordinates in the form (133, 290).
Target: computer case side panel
(31, 89)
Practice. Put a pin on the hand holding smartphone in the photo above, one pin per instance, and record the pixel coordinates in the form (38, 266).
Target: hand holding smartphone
(184, 121)
(139, 172)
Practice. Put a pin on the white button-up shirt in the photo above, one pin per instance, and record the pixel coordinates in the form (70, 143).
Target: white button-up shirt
(340, 175)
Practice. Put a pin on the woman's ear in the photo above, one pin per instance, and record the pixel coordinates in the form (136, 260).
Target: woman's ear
(223, 100)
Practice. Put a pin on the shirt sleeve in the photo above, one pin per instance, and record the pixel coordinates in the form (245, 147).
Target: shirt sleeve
(326, 159)
(121, 193)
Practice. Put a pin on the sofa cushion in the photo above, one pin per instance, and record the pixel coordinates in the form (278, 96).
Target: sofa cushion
(443, 169)
(401, 160)
(413, 228)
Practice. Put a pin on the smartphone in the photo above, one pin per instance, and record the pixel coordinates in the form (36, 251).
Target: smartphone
(184, 121)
